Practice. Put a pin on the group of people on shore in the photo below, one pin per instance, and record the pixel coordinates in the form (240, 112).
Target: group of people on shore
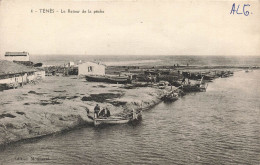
(101, 113)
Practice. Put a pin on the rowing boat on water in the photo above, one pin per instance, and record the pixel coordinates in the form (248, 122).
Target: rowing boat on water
(110, 120)
(136, 116)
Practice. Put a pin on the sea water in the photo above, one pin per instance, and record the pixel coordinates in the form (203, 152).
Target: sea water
(151, 60)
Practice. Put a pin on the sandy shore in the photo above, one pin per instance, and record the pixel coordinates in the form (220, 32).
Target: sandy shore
(59, 103)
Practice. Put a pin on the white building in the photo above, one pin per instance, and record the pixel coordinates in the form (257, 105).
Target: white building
(17, 56)
(71, 64)
(91, 68)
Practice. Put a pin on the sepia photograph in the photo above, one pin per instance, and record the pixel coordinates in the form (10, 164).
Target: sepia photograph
(151, 82)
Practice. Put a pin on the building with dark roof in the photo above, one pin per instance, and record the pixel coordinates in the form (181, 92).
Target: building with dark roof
(13, 75)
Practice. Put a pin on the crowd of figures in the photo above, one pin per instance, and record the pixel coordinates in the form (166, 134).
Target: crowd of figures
(101, 113)
(98, 113)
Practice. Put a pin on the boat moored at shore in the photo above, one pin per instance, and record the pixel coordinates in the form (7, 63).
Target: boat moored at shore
(108, 79)
(114, 120)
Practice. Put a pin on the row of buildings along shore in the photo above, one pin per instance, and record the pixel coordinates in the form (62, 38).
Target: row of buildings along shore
(16, 70)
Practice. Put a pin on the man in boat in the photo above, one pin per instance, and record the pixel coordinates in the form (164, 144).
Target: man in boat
(102, 113)
(183, 80)
(96, 110)
(107, 112)
(87, 110)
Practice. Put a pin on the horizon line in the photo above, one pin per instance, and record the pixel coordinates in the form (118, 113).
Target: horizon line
(135, 55)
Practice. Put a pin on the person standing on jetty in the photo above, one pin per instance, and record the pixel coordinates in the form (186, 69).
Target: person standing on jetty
(96, 111)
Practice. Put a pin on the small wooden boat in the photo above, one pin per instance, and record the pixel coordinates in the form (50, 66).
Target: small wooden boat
(169, 98)
(96, 78)
(112, 120)
(163, 84)
(108, 79)
(248, 70)
(224, 76)
(203, 87)
(227, 74)
(209, 77)
(198, 87)
(190, 88)
(118, 80)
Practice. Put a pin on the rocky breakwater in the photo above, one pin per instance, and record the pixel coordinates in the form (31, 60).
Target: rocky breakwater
(60, 103)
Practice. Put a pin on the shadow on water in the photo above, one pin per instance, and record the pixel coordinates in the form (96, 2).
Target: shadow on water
(41, 138)
(101, 128)
(108, 127)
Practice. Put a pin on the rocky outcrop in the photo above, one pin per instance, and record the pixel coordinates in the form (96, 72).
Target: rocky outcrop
(60, 103)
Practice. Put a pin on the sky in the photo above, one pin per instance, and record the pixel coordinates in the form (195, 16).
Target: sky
(130, 27)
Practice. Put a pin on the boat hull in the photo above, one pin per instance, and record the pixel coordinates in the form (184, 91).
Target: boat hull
(110, 121)
(118, 80)
(96, 78)
(169, 98)
(190, 88)
(113, 120)
(108, 79)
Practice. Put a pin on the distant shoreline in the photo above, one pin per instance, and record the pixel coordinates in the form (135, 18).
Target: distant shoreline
(234, 61)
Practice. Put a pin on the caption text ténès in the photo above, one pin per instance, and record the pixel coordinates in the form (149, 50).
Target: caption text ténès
(72, 11)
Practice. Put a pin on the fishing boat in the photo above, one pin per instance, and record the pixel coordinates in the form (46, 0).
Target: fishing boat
(203, 87)
(110, 120)
(96, 78)
(198, 87)
(118, 80)
(113, 120)
(227, 74)
(248, 70)
(108, 79)
(209, 77)
(170, 97)
(190, 88)
(163, 84)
